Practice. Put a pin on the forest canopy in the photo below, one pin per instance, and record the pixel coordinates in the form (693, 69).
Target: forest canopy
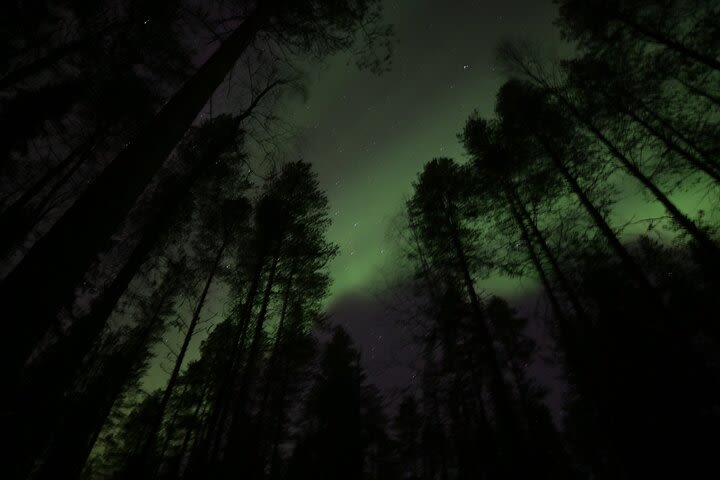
(167, 257)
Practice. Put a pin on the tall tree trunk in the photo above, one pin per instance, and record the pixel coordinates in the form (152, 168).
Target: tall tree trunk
(707, 157)
(502, 401)
(568, 332)
(65, 358)
(699, 92)
(575, 340)
(259, 464)
(58, 261)
(548, 253)
(156, 424)
(197, 414)
(667, 42)
(709, 169)
(627, 260)
(240, 415)
(702, 239)
(278, 337)
(68, 458)
(208, 442)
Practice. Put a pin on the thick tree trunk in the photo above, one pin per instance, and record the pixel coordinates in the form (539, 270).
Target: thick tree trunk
(16, 221)
(575, 340)
(83, 422)
(65, 358)
(58, 261)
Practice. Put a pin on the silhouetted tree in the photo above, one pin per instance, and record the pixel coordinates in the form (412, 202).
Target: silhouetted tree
(318, 27)
(342, 423)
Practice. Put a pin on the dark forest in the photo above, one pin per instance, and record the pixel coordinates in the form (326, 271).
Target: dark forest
(169, 252)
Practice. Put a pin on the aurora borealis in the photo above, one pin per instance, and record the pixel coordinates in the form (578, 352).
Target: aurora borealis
(369, 136)
(360, 239)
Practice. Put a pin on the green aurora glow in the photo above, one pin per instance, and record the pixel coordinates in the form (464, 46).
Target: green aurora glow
(370, 136)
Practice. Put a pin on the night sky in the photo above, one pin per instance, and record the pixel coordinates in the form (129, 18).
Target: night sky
(368, 137)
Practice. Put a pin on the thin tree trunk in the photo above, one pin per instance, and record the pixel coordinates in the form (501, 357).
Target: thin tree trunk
(568, 332)
(272, 365)
(210, 442)
(549, 255)
(278, 337)
(699, 92)
(669, 43)
(710, 170)
(58, 261)
(628, 261)
(239, 405)
(168, 437)
(503, 407)
(707, 157)
(703, 241)
(174, 376)
(189, 433)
